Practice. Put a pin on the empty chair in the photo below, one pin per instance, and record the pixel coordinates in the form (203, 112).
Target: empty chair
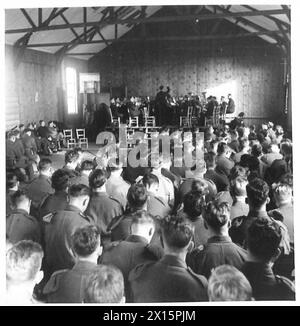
(81, 139)
(133, 122)
(150, 121)
(68, 135)
(185, 122)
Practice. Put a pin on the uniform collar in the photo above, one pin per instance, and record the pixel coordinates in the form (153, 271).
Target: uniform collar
(83, 265)
(73, 209)
(99, 194)
(136, 238)
(173, 260)
(219, 238)
(260, 214)
(20, 211)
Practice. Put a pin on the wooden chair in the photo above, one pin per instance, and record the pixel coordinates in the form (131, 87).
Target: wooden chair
(133, 122)
(150, 121)
(81, 139)
(68, 136)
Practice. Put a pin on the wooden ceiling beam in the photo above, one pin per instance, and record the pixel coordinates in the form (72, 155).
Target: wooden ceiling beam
(178, 18)
(27, 16)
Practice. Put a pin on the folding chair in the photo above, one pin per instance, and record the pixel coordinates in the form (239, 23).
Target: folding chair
(68, 136)
(150, 121)
(133, 122)
(185, 122)
(81, 139)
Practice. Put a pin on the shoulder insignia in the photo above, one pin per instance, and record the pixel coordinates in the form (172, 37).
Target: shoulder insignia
(47, 218)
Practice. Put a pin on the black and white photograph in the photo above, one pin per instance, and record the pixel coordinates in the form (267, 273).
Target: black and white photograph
(149, 154)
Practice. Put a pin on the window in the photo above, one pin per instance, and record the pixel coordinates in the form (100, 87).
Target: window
(71, 81)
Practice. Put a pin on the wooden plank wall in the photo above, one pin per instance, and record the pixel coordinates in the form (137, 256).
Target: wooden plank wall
(35, 81)
(253, 76)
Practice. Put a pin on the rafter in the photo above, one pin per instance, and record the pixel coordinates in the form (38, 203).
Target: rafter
(288, 13)
(40, 16)
(67, 22)
(27, 16)
(84, 21)
(110, 21)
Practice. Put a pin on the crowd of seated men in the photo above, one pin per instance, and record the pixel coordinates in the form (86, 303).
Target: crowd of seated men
(221, 230)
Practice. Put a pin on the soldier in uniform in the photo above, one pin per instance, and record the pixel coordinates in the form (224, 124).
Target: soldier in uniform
(169, 279)
(219, 249)
(264, 237)
(60, 182)
(119, 227)
(40, 187)
(135, 249)
(85, 170)
(102, 208)
(12, 185)
(19, 224)
(67, 286)
(59, 227)
(116, 186)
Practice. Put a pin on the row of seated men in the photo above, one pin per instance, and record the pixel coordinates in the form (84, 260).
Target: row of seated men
(218, 212)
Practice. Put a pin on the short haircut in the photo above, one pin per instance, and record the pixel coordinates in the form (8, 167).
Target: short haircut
(282, 191)
(210, 159)
(11, 180)
(257, 192)
(222, 148)
(237, 171)
(19, 197)
(104, 285)
(217, 214)
(71, 156)
(263, 238)
(78, 149)
(79, 190)
(193, 204)
(137, 196)
(243, 143)
(23, 261)
(60, 180)
(256, 150)
(44, 164)
(97, 178)
(238, 186)
(149, 179)
(227, 283)
(86, 240)
(87, 165)
(249, 161)
(177, 231)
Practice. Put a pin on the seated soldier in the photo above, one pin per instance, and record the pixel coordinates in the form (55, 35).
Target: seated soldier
(23, 272)
(102, 208)
(12, 185)
(239, 194)
(104, 285)
(263, 239)
(223, 161)
(85, 171)
(40, 187)
(227, 283)
(67, 286)
(30, 148)
(135, 249)
(59, 227)
(137, 201)
(42, 133)
(19, 224)
(219, 179)
(219, 249)
(60, 182)
(169, 279)
(116, 186)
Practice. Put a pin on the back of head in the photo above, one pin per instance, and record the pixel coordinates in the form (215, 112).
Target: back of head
(249, 161)
(137, 196)
(23, 261)
(11, 180)
(257, 192)
(44, 164)
(71, 156)
(193, 204)
(87, 166)
(256, 150)
(238, 186)
(86, 240)
(283, 193)
(97, 178)
(227, 283)
(150, 179)
(104, 285)
(79, 190)
(217, 215)
(60, 180)
(177, 232)
(141, 221)
(222, 148)
(263, 238)
(19, 198)
(210, 159)
(237, 171)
